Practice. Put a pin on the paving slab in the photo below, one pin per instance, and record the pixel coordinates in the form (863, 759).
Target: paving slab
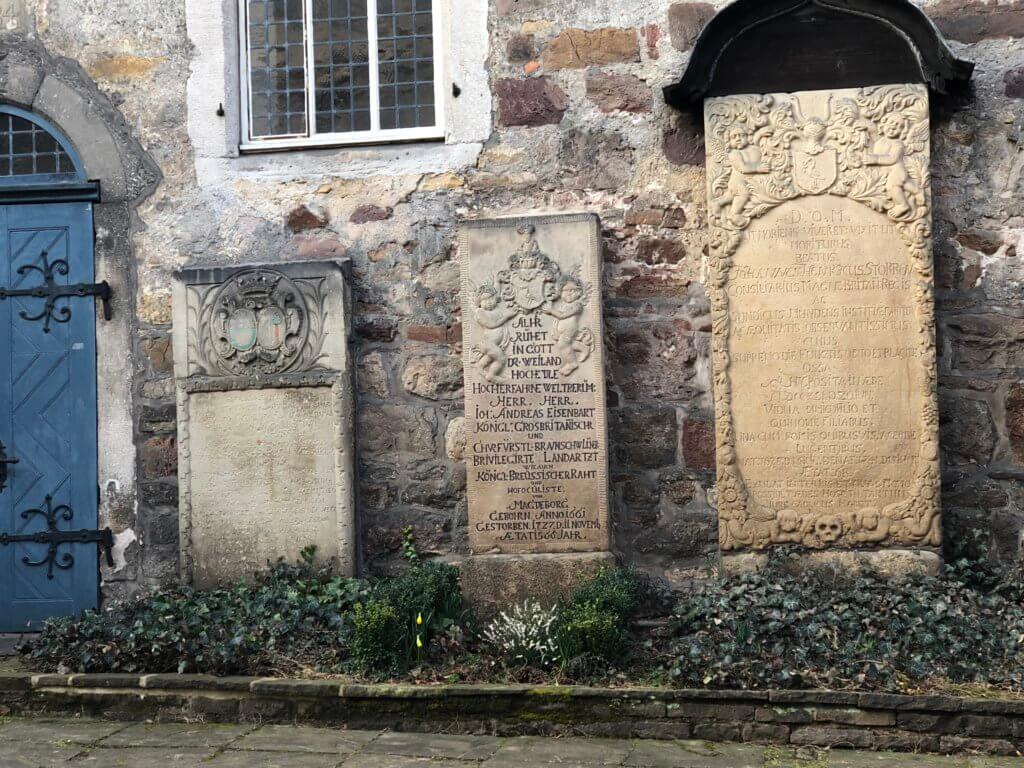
(362, 760)
(50, 730)
(529, 750)
(840, 759)
(235, 759)
(683, 754)
(142, 757)
(36, 755)
(297, 738)
(431, 745)
(177, 735)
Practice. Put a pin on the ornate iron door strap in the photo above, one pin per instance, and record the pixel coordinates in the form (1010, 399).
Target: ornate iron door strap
(4, 462)
(54, 537)
(51, 291)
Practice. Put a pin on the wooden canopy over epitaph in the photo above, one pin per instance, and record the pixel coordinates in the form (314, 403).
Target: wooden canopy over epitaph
(772, 46)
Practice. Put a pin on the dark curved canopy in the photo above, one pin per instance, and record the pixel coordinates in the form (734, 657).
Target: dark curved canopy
(773, 46)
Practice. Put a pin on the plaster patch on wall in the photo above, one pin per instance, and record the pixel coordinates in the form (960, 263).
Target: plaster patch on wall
(122, 541)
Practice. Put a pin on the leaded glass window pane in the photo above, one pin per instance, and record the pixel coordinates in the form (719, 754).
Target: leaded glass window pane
(26, 149)
(277, 61)
(327, 67)
(342, 57)
(405, 36)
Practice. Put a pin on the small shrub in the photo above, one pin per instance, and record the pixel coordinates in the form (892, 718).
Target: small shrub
(622, 591)
(524, 636)
(286, 620)
(426, 600)
(589, 629)
(379, 636)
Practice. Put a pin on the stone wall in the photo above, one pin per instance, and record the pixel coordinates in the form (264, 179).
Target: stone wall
(579, 124)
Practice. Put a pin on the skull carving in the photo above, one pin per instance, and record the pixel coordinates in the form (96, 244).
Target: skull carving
(828, 529)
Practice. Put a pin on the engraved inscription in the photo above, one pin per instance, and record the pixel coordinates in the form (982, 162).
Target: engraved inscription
(822, 301)
(536, 448)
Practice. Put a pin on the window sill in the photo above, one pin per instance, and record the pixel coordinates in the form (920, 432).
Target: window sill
(374, 140)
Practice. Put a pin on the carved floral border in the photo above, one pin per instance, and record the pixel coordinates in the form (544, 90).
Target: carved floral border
(774, 127)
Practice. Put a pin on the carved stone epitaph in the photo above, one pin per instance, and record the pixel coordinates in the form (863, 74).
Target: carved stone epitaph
(821, 284)
(265, 411)
(535, 418)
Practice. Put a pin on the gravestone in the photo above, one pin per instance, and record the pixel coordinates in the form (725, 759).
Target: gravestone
(824, 333)
(821, 279)
(265, 402)
(536, 444)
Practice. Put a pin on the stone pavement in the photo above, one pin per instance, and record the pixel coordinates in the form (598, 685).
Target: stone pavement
(40, 743)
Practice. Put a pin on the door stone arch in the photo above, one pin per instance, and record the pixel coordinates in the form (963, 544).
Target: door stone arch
(58, 90)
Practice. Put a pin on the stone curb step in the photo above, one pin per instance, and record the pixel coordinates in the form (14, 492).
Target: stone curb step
(836, 719)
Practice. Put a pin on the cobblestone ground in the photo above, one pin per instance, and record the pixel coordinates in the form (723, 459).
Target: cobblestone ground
(39, 743)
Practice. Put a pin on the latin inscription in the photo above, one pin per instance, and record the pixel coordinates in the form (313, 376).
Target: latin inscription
(821, 292)
(536, 447)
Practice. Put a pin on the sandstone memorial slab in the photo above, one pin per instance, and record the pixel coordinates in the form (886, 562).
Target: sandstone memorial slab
(536, 444)
(824, 336)
(820, 274)
(264, 385)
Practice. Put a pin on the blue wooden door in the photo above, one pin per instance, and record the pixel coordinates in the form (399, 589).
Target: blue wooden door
(47, 414)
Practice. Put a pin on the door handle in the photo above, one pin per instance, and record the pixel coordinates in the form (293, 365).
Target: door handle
(4, 462)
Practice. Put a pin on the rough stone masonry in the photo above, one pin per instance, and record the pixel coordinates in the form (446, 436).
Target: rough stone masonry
(567, 82)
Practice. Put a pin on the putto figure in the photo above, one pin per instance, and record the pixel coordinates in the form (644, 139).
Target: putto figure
(493, 316)
(744, 159)
(889, 151)
(573, 344)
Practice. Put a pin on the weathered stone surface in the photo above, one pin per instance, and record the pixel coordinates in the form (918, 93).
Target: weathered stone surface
(1014, 82)
(372, 376)
(684, 143)
(1015, 421)
(626, 93)
(698, 444)
(535, 390)
(303, 219)
(435, 377)
(520, 49)
(494, 582)
(685, 21)
(644, 437)
(159, 354)
(244, 479)
(160, 457)
(455, 439)
(577, 153)
(976, 20)
(531, 102)
(580, 48)
(967, 428)
(394, 428)
(826, 417)
(370, 212)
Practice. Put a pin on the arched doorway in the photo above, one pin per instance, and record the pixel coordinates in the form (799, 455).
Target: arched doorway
(48, 396)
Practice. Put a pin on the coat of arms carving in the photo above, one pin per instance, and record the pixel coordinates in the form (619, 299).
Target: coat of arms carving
(258, 322)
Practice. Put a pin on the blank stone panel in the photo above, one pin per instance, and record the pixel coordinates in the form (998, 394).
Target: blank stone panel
(277, 62)
(341, 57)
(405, 40)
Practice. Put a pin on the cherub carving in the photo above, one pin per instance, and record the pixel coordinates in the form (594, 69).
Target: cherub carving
(889, 151)
(788, 527)
(491, 315)
(744, 159)
(573, 345)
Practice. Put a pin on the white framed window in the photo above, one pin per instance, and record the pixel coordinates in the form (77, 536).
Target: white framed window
(335, 72)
